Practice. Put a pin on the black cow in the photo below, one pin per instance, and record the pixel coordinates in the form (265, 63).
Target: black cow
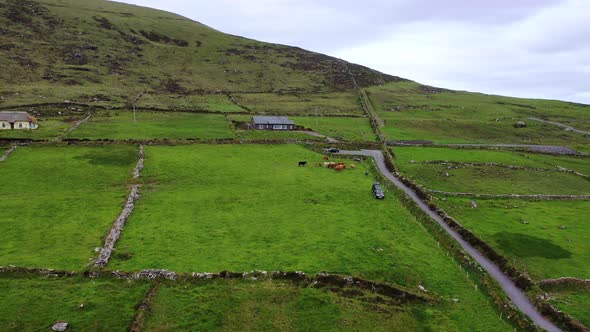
(302, 163)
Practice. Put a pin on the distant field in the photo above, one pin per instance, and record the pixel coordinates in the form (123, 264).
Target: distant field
(153, 125)
(274, 135)
(250, 207)
(326, 103)
(404, 155)
(410, 113)
(491, 179)
(350, 129)
(575, 304)
(210, 102)
(58, 202)
(49, 127)
(37, 304)
(539, 247)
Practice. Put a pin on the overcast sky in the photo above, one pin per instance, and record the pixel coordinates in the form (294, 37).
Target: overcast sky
(524, 48)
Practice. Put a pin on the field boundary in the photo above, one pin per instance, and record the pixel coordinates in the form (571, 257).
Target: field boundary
(516, 196)
(318, 280)
(79, 123)
(117, 227)
(8, 152)
(143, 308)
(180, 110)
(461, 164)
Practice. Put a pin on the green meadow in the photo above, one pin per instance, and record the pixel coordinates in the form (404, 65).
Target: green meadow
(58, 202)
(411, 112)
(530, 233)
(493, 179)
(122, 125)
(574, 303)
(250, 207)
(36, 304)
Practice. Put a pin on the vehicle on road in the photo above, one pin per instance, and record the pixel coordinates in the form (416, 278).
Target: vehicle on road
(332, 150)
(377, 191)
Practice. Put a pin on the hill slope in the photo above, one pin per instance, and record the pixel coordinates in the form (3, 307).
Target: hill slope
(84, 45)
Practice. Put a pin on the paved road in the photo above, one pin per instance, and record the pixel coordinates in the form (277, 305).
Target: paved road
(564, 126)
(514, 293)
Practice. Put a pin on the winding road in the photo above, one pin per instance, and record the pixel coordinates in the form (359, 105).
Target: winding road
(515, 294)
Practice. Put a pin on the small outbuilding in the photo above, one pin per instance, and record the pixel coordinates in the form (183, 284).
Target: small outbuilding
(17, 120)
(272, 123)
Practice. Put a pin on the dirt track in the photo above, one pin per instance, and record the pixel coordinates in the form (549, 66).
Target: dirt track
(515, 294)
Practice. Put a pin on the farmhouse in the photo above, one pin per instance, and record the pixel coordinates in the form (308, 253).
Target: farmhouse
(272, 123)
(17, 120)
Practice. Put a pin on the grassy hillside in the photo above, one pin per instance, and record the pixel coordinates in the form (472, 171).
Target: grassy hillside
(101, 50)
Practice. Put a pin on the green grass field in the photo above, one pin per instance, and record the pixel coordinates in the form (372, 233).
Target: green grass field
(250, 207)
(575, 304)
(153, 125)
(539, 247)
(327, 103)
(410, 113)
(37, 304)
(277, 306)
(487, 179)
(57, 203)
(209, 102)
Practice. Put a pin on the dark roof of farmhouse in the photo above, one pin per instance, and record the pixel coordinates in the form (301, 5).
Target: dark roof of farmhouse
(14, 116)
(272, 120)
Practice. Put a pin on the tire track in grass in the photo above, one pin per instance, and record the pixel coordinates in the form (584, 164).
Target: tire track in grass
(117, 228)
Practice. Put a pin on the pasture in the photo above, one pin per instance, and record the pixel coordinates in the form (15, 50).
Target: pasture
(574, 303)
(36, 304)
(249, 207)
(411, 112)
(120, 125)
(461, 170)
(308, 103)
(529, 233)
(58, 202)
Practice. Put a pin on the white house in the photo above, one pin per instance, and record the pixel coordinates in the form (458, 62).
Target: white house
(17, 120)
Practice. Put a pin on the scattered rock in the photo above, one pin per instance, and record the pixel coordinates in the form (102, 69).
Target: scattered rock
(60, 326)
(473, 204)
(562, 227)
(455, 300)
(520, 124)
(422, 288)
(412, 161)
(524, 221)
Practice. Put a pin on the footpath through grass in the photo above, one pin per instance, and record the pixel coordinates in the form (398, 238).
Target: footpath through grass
(36, 304)
(241, 208)
(120, 125)
(56, 203)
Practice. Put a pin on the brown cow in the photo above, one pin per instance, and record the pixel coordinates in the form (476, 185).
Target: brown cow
(326, 158)
(339, 168)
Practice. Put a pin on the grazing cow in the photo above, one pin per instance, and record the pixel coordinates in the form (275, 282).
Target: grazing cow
(331, 165)
(339, 168)
(302, 163)
(326, 158)
(352, 166)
